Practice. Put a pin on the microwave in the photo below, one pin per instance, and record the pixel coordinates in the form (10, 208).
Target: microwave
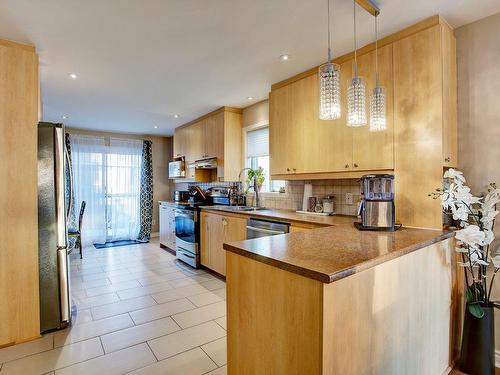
(177, 169)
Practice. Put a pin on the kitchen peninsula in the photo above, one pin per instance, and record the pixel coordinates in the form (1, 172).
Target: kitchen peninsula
(335, 300)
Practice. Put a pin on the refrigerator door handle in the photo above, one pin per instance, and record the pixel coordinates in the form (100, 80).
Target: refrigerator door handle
(59, 187)
(62, 260)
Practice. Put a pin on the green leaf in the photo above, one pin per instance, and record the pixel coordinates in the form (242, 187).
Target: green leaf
(476, 310)
(473, 306)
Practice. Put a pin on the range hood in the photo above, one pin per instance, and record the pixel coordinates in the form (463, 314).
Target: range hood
(209, 163)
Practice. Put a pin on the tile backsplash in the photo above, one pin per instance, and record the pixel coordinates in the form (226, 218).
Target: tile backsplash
(292, 199)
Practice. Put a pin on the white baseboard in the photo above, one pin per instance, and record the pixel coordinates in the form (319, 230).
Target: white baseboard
(155, 234)
(497, 358)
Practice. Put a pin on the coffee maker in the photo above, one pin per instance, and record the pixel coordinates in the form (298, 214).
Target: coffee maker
(377, 206)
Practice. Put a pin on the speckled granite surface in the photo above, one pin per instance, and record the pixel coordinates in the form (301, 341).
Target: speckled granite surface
(331, 253)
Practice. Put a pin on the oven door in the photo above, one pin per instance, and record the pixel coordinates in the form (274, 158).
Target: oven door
(185, 229)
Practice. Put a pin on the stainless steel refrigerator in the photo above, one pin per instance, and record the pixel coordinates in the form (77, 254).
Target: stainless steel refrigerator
(55, 302)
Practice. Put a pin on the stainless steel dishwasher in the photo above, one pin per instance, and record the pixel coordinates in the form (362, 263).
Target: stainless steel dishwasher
(257, 228)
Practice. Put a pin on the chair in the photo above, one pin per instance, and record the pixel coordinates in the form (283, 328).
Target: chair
(78, 233)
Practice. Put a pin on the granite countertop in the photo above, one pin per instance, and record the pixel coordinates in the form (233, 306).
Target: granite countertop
(331, 253)
(287, 216)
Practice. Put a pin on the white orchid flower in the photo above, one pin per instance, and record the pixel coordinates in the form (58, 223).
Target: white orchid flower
(476, 258)
(455, 175)
(489, 236)
(460, 212)
(491, 199)
(489, 216)
(471, 235)
(496, 260)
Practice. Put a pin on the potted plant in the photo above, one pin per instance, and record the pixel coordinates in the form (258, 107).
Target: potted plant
(475, 218)
(258, 174)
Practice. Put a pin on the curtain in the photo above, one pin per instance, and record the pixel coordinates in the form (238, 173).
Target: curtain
(146, 196)
(123, 187)
(72, 222)
(88, 158)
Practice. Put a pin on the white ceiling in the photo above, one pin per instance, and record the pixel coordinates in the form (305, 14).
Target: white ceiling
(141, 61)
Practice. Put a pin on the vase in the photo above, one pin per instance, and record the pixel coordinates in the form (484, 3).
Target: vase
(477, 355)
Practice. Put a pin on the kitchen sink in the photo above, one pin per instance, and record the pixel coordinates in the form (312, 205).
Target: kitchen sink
(243, 208)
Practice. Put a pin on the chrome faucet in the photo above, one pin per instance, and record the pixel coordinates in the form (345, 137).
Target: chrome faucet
(256, 202)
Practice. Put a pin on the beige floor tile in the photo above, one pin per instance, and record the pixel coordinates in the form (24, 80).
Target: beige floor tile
(138, 334)
(201, 314)
(85, 303)
(151, 279)
(117, 363)
(122, 278)
(220, 292)
(28, 348)
(81, 316)
(186, 339)
(144, 290)
(112, 288)
(219, 371)
(222, 322)
(92, 329)
(204, 299)
(94, 276)
(160, 311)
(121, 307)
(177, 283)
(192, 362)
(95, 283)
(177, 293)
(173, 276)
(214, 284)
(53, 359)
(217, 350)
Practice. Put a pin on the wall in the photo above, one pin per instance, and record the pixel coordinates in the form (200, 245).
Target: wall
(478, 56)
(162, 154)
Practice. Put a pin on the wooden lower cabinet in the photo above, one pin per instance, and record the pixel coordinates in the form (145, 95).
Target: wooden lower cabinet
(215, 230)
(167, 226)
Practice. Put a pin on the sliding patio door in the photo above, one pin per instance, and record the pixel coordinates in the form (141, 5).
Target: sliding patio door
(106, 175)
(123, 179)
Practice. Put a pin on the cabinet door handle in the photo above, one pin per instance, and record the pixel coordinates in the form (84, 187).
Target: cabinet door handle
(346, 166)
(355, 165)
(447, 159)
(294, 170)
(224, 221)
(288, 169)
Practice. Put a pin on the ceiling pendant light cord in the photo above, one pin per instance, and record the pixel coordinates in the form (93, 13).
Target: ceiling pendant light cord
(329, 34)
(355, 44)
(376, 52)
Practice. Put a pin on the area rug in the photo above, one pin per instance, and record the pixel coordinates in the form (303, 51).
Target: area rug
(116, 244)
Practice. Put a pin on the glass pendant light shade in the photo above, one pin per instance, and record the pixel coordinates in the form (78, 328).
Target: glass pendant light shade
(356, 102)
(377, 110)
(329, 92)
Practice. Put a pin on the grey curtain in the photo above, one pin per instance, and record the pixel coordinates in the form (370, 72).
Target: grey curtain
(146, 195)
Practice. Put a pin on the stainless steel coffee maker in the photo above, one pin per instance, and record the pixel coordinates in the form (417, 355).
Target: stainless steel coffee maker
(377, 206)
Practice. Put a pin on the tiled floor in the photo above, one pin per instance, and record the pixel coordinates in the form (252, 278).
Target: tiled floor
(138, 311)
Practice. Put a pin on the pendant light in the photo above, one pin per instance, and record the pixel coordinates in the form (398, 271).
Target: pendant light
(356, 91)
(377, 99)
(329, 84)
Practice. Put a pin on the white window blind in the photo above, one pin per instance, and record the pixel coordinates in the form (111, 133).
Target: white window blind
(258, 143)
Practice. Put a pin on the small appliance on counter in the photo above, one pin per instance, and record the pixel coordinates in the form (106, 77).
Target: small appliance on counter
(177, 168)
(181, 196)
(377, 205)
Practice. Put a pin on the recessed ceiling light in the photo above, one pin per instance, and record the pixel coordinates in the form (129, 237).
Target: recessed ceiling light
(156, 126)
(284, 57)
(65, 117)
(250, 97)
(73, 75)
(176, 116)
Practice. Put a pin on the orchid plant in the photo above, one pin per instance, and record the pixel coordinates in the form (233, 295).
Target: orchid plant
(476, 218)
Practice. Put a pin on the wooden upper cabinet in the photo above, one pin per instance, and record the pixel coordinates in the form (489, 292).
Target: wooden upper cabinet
(375, 150)
(279, 116)
(450, 121)
(215, 135)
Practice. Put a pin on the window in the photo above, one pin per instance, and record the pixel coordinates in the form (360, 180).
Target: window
(257, 155)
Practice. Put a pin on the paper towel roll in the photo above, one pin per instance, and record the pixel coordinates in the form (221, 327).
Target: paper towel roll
(308, 190)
